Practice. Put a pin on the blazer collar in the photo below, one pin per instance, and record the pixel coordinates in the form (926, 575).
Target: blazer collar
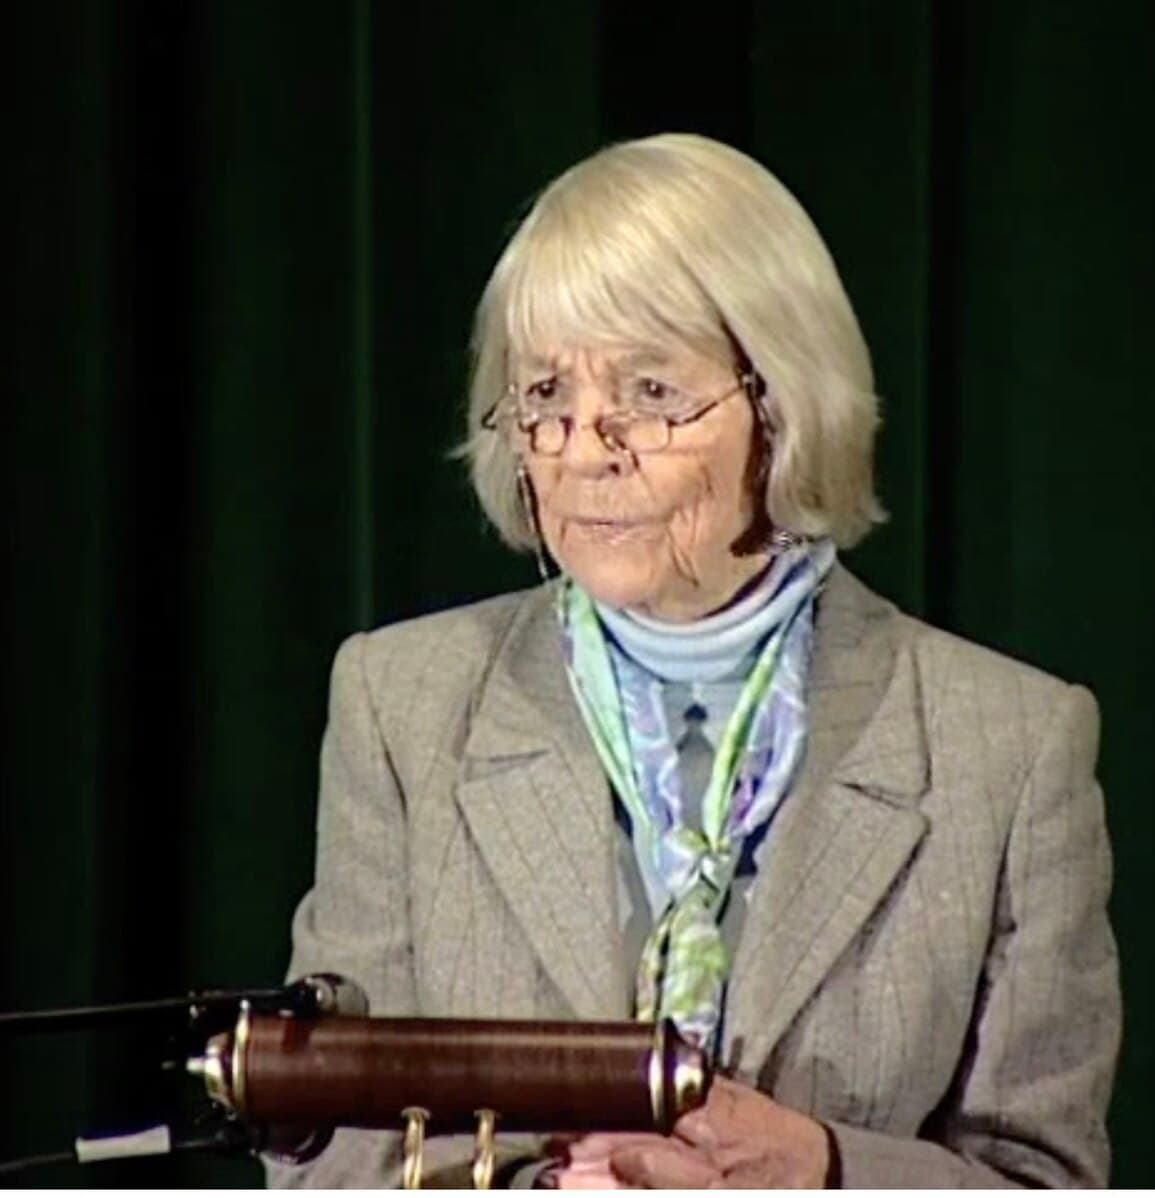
(537, 801)
(865, 727)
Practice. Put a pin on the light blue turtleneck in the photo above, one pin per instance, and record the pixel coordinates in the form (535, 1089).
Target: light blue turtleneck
(717, 648)
(704, 662)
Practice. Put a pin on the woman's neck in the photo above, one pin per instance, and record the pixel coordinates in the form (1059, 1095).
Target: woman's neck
(716, 647)
(700, 603)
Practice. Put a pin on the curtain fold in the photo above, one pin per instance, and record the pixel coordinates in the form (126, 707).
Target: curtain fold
(247, 244)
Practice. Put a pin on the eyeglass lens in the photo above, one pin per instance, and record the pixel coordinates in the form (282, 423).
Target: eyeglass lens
(643, 434)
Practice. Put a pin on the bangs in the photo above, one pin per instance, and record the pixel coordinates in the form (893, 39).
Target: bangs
(583, 275)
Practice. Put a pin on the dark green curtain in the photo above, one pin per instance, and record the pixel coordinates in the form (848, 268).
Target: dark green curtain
(246, 243)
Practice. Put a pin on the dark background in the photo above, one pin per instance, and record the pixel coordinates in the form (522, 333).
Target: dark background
(246, 243)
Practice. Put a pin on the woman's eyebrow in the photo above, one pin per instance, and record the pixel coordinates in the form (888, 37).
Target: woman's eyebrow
(539, 362)
(644, 357)
(630, 360)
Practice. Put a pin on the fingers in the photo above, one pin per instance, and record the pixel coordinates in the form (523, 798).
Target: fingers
(587, 1159)
(740, 1138)
(586, 1177)
(663, 1164)
(754, 1141)
(559, 1143)
(626, 1160)
(599, 1145)
(705, 1127)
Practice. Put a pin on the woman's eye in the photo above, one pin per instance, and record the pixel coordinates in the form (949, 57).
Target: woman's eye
(654, 391)
(543, 389)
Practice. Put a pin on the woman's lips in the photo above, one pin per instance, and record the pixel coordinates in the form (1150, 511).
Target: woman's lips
(612, 531)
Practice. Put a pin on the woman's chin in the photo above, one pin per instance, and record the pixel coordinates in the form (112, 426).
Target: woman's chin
(616, 584)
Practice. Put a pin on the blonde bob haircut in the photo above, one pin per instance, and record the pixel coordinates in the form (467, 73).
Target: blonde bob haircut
(680, 239)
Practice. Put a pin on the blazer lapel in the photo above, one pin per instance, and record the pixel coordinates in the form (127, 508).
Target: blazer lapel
(845, 832)
(537, 802)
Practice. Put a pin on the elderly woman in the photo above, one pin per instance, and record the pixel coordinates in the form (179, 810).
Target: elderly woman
(705, 773)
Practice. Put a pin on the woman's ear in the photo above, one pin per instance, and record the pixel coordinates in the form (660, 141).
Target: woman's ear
(758, 535)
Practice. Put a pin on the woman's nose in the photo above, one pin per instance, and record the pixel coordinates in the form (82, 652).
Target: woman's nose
(586, 449)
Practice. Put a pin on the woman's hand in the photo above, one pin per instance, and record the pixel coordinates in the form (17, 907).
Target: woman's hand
(740, 1139)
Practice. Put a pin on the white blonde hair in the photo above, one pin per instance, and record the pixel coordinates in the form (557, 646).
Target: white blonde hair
(680, 239)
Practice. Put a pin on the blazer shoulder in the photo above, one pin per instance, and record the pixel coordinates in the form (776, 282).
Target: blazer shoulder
(955, 656)
(960, 684)
(454, 647)
(472, 627)
(1011, 703)
(944, 658)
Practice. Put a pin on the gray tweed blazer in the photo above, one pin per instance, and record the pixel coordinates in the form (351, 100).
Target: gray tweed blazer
(926, 964)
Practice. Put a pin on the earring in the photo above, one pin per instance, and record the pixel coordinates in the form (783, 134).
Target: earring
(783, 539)
(529, 509)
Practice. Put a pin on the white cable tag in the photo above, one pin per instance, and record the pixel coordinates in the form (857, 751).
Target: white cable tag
(152, 1141)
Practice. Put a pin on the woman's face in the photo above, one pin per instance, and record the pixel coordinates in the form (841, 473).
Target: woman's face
(647, 530)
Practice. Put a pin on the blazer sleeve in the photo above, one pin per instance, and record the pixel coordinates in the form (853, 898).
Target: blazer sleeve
(355, 922)
(1028, 1104)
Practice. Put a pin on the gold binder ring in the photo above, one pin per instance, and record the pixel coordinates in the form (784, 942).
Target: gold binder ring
(484, 1152)
(414, 1146)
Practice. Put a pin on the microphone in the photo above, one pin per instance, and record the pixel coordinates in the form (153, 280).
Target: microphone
(326, 994)
(205, 1013)
(316, 994)
(337, 995)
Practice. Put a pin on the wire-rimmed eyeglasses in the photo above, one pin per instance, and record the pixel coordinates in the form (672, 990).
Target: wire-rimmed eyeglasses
(644, 426)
